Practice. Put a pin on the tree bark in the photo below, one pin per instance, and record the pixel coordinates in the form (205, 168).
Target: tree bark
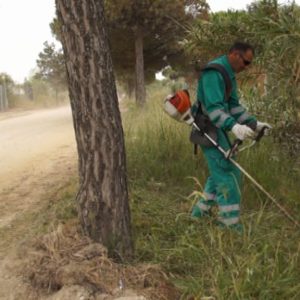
(102, 198)
(140, 92)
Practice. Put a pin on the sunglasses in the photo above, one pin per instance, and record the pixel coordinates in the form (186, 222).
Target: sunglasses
(245, 61)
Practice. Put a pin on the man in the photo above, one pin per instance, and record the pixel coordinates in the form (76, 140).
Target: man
(226, 114)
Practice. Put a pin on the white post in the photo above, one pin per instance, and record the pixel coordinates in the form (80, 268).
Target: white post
(1, 98)
(5, 100)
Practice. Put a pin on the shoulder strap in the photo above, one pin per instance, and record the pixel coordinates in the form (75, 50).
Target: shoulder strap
(226, 78)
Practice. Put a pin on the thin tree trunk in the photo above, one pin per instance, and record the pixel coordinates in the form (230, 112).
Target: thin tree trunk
(56, 96)
(130, 87)
(102, 197)
(140, 92)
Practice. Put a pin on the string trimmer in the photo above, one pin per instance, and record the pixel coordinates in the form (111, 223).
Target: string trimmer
(178, 106)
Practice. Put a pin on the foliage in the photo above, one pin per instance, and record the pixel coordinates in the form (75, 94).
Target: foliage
(205, 262)
(51, 67)
(43, 94)
(274, 31)
(33, 92)
(5, 78)
(202, 260)
(162, 24)
(8, 82)
(277, 30)
(281, 52)
(209, 38)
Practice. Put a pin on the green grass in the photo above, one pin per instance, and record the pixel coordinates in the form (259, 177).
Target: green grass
(54, 208)
(58, 207)
(202, 260)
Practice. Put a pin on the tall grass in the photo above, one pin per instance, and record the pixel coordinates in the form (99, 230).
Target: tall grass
(206, 262)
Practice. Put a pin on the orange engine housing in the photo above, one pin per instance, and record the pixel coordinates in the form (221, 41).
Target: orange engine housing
(181, 101)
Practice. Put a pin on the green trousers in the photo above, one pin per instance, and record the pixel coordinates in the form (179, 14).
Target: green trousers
(222, 187)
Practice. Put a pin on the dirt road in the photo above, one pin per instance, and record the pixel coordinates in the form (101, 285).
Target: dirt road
(30, 145)
(37, 155)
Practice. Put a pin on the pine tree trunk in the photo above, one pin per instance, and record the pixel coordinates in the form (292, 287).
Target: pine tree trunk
(130, 87)
(102, 197)
(140, 92)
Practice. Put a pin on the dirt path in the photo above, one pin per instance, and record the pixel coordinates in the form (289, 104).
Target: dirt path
(38, 155)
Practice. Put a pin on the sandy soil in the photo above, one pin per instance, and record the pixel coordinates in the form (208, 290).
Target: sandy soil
(38, 155)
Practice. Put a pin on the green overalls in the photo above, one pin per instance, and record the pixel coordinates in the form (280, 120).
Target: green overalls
(223, 185)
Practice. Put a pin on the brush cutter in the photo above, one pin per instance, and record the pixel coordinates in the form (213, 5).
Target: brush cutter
(178, 106)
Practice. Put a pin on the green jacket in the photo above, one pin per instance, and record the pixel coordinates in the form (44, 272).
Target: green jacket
(211, 94)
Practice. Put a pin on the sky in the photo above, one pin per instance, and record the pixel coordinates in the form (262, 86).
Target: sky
(24, 27)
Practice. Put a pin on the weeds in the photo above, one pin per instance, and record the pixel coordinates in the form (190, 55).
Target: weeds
(203, 261)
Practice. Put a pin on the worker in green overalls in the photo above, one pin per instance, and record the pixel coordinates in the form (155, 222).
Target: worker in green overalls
(223, 186)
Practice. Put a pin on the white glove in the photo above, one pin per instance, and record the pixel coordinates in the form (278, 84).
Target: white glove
(242, 131)
(261, 125)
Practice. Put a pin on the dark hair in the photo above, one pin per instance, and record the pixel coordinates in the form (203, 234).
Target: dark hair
(241, 46)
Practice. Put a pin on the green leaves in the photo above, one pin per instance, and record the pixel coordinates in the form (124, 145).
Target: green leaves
(209, 38)
(51, 66)
(274, 31)
(163, 24)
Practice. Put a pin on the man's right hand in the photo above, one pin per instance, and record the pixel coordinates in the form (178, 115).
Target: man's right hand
(242, 132)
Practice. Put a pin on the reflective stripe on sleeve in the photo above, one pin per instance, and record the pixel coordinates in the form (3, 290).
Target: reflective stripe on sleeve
(243, 117)
(237, 110)
(223, 116)
(222, 119)
(216, 113)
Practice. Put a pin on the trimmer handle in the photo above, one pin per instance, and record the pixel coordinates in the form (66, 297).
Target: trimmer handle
(261, 134)
(234, 148)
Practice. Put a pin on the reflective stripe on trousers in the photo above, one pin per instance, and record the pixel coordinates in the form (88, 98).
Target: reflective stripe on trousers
(229, 208)
(224, 181)
(229, 221)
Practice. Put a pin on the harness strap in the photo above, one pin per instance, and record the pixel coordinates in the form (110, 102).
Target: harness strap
(226, 78)
(228, 90)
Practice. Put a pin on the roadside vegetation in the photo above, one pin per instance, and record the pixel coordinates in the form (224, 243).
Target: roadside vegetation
(33, 93)
(200, 260)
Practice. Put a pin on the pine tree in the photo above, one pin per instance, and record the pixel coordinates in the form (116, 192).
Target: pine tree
(102, 197)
